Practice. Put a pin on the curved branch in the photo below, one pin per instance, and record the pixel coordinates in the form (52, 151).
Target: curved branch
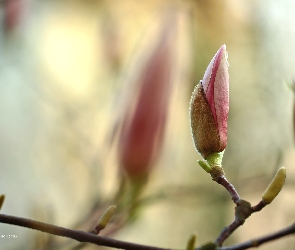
(77, 235)
(264, 239)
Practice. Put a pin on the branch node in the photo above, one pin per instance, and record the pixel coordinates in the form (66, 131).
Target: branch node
(243, 210)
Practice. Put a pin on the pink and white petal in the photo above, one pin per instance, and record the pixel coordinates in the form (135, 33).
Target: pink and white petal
(210, 77)
(221, 98)
(207, 76)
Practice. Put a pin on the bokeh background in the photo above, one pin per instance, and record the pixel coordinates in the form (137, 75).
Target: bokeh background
(67, 69)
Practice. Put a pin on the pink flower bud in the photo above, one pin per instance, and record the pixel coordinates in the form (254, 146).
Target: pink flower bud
(209, 107)
(143, 126)
(13, 12)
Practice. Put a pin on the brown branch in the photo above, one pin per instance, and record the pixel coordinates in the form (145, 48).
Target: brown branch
(82, 236)
(77, 235)
(227, 231)
(242, 211)
(218, 175)
(259, 206)
(243, 208)
(264, 239)
(229, 187)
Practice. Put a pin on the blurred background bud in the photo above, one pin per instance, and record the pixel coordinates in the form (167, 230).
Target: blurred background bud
(143, 127)
(14, 11)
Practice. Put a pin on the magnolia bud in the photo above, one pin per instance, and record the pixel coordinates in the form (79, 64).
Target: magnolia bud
(143, 128)
(209, 107)
(13, 13)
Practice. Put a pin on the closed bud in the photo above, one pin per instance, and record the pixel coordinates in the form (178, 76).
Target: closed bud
(13, 13)
(275, 186)
(143, 127)
(2, 198)
(104, 219)
(209, 107)
(191, 242)
(209, 246)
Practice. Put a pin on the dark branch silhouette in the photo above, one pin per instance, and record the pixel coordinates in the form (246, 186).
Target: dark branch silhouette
(77, 235)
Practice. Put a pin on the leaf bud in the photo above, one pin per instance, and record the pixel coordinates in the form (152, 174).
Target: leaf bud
(275, 186)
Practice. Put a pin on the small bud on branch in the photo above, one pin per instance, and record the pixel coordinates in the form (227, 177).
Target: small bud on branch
(275, 186)
(191, 242)
(208, 246)
(104, 219)
(2, 198)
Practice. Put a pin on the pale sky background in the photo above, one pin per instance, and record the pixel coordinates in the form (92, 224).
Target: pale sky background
(66, 70)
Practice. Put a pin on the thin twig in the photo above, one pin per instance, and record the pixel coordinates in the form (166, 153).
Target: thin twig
(242, 207)
(227, 231)
(242, 211)
(229, 187)
(264, 239)
(259, 206)
(77, 235)
(104, 241)
(217, 174)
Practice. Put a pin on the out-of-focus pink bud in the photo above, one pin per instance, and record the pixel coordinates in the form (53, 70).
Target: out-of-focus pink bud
(12, 13)
(209, 107)
(143, 126)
